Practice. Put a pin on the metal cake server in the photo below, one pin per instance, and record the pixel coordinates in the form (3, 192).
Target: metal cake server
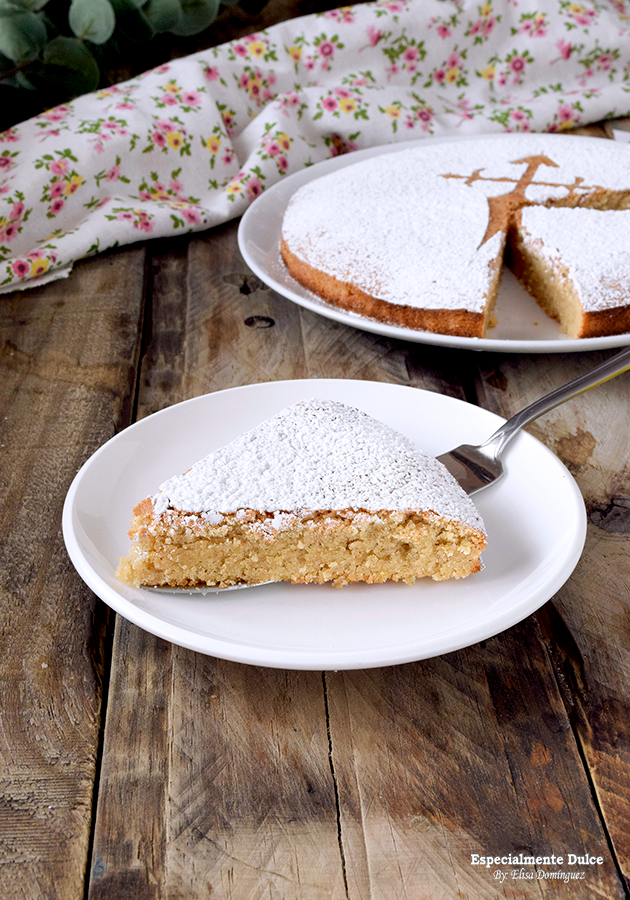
(476, 467)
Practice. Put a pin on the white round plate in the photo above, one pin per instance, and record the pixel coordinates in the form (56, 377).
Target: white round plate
(535, 519)
(522, 325)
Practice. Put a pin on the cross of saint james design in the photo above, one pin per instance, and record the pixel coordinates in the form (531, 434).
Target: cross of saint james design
(502, 207)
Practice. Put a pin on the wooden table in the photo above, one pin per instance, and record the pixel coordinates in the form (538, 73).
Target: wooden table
(132, 768)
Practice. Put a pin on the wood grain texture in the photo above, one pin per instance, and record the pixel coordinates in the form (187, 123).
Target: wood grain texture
(240, 782)
(67, 365)
(444, 758)
(587, 626)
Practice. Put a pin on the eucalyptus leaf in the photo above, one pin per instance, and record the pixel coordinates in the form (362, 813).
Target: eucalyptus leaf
(162, 15)
(92, 20)
(196, 16)
(69, 68)
(22, 36)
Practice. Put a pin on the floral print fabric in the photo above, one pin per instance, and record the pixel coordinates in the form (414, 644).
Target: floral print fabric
(190, 144)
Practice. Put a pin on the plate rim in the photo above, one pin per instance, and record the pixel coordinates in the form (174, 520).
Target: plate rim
(316, 659)
(355, 320)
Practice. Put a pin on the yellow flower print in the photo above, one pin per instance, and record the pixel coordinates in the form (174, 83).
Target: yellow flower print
(452, 75)
(486, 10)
(235, 188)
(75, 182)
(254, 86)
(295, 53)
(347, 104)
(174, 139)
(172, 88)
(393, 111)
(488, 73)
(256, 48)
(576, 9)
(39, 266)
(284, 140)
(213, 144)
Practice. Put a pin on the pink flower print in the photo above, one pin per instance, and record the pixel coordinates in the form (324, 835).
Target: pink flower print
(125, 106)
(326, 49)
(517, 65)
(565, 114)
(125, 216)
(489, 26)
(5, 163)
(240, 50)
(244, 81)
(475, 27)
(165, 126)
(342, 92)
(191, 98)
(228, 156)
(192, 216)
(9, 232)
(410, 55)
(159, 139)
(57, 114)
(57, 188)
(310, 63)
(10, 135)
(21, 268)
(59, 166)
(271, 79)
(329, 103)
(443, 31)
(18, 209)
(176, 186)
(565, 49)
(254, 189)
(56, 206)
(145, 225)
(440, 75)
(520, 118)
(211, 73)
(374, 36)
(113, 174)
(283, 163)
(273, 148)
(163, 68)
(605, 61)
(453, 61)
(169, 100)
(228, 121)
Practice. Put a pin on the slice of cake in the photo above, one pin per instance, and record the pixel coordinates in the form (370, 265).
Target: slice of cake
(576, 264)
(320, 492)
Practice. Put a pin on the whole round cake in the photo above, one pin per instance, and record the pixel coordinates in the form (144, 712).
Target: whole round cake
(416, 237)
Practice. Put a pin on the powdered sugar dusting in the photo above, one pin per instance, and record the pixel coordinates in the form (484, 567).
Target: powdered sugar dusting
(408, 227)
(591, 245)
(318, 455)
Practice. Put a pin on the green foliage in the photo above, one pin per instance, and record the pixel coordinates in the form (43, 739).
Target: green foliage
(60, 48)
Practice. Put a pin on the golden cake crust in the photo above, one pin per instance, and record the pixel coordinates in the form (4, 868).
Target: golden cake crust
(416, 237)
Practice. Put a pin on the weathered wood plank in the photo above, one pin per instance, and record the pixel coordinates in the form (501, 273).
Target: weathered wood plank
(468, 753)
(67, 368)
(587, 625)
(420, 753)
